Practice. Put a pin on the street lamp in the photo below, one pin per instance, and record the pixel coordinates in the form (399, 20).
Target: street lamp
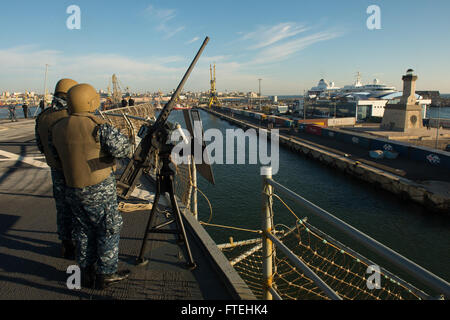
(45, 91)
(304, 106)
(259, 94)
(437, 128)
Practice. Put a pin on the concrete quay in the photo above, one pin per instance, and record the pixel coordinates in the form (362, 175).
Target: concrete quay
(407, 179)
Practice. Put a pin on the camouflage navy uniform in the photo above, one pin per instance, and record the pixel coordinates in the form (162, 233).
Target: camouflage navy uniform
(63, 211)
(97, 220)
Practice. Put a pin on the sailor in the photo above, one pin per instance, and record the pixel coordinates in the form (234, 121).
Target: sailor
(12, 113)
(124, 103)
(44, 121)
(25, 110)
(42, 105)
(87, 147)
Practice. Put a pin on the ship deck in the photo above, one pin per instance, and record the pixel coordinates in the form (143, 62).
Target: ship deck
(30, 262)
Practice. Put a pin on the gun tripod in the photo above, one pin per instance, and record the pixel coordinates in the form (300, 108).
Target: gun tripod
(164, 183)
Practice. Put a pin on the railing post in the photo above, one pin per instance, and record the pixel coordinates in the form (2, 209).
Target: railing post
(194, 187)
(130, 126)
(266, 227)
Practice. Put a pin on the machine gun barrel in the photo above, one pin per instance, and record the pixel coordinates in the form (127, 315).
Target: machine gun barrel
(164, 115)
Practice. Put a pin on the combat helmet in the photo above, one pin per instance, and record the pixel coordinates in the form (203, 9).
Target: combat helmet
(63, 86)
(83, 98)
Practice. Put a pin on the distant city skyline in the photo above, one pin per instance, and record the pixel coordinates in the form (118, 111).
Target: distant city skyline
(290, 45)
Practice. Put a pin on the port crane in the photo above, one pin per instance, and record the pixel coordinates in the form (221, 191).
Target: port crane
(213, 99)
(158, 100)
(117, 92)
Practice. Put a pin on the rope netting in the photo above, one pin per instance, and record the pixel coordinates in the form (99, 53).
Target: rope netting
(183, 183)
(144, 110)
(341, 268)
(183, 176)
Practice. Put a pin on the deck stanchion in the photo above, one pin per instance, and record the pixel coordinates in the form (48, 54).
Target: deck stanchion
(267, 227)
(194, 191)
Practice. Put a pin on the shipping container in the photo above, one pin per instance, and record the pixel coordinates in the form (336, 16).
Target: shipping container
(279, 121)
(320, 123)
(288, 123)
(314, 129)
(328, 133)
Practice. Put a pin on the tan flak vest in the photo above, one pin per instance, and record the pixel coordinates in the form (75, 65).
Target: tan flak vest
(84, 163)
(45, 121)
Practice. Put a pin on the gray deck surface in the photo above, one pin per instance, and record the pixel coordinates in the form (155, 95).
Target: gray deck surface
(30, 262)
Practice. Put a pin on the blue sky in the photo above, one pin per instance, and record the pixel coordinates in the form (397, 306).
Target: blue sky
(289, 44)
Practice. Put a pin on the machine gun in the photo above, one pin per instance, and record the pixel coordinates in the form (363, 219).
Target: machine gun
(155, 140)
(153, 137)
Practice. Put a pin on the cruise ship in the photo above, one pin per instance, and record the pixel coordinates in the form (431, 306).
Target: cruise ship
(328, 89)
(365, 102)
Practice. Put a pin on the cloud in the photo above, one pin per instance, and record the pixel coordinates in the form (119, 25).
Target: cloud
(267, 35)
(161, 16)
(274, 43)
(212, 59)
(23, 67)
(26, 57)
(169, 31)
(284, 50)
(192, 40)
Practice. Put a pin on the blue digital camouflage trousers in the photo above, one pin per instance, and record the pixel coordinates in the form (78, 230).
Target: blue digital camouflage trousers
(63, 211)
(97, 225)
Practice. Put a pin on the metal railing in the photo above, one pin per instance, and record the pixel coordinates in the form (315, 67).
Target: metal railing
(128, 123)
(269, 239)
(192, 192)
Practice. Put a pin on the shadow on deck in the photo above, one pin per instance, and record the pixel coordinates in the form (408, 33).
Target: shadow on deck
(31, 266)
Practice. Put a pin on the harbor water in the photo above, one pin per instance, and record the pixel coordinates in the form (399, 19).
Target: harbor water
(443, 113)
(407, 228)
(4, 112)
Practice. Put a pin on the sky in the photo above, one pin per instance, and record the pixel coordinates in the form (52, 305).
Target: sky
(290, 45)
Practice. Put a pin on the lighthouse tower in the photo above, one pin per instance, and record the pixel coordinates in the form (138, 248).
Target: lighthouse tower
(406, 114)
